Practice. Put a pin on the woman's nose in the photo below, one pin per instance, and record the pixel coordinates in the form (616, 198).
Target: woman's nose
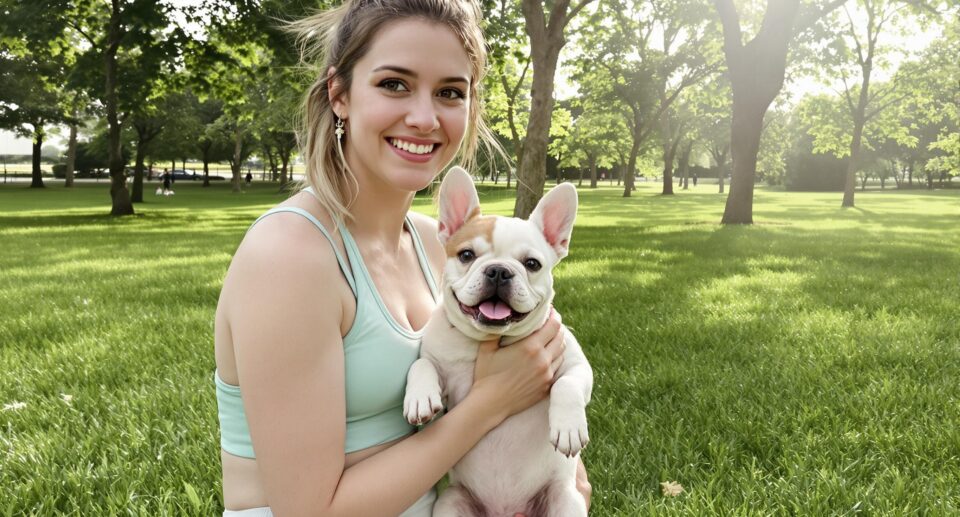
(423, 114)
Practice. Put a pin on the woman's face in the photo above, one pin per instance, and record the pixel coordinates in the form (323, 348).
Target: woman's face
(407, 109)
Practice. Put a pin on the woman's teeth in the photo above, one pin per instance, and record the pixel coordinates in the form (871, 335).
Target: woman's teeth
(411, 148)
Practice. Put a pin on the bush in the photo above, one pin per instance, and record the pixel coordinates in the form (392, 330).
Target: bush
(806, 171)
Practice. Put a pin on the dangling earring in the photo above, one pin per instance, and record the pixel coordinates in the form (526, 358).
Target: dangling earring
(339, 131)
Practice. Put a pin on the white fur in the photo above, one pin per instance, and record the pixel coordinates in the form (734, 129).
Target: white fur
(533, 452)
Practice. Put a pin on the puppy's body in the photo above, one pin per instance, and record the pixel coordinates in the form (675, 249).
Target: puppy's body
(528, 463)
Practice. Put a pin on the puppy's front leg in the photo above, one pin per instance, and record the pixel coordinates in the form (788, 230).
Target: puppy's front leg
(568, 401)
(423, 397)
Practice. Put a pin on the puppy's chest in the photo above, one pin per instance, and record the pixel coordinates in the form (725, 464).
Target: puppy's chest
(456, 379)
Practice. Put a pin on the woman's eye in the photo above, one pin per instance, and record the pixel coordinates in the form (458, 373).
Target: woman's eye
(466, 256)
(452, 94)
(532, 264)
(393, 85)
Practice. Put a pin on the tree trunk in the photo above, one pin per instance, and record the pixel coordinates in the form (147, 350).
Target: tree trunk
(137, 194)
(631, 167)
(756, 72)
(36, 175)
(119, 194)
(235, 163)
(859, 120)
(546, 40)
(593, 171)
(668, 153)
(71, 155)
(532, 170)
(205, 146)
(284, 160)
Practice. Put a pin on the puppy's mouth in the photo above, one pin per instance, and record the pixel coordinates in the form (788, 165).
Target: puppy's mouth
(493, 311)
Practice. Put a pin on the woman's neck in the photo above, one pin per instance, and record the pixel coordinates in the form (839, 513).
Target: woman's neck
(379, 211)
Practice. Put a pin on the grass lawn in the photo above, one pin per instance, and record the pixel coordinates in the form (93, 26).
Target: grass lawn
(805, 365)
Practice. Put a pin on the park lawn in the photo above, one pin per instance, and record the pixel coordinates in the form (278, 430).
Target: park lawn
(805, 365)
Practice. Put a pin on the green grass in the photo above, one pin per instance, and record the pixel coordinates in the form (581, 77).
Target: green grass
(805, 365)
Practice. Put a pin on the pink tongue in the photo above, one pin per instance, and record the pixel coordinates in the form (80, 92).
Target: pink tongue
(495, 310)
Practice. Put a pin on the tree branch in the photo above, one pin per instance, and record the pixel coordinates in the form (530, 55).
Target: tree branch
(846, 92)
(84, 34)
(575, 11)
(732, 35)
(807, 21)
(875, 111)
(853, 34)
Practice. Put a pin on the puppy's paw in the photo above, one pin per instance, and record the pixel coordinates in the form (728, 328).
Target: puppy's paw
(420, 406)
(568, 429)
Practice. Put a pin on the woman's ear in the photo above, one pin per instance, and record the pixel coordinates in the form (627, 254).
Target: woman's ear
(337, 97)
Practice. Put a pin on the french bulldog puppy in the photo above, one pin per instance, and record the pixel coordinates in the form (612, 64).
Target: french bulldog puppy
(497, 283)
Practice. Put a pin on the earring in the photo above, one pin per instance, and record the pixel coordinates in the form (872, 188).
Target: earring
(339, 131)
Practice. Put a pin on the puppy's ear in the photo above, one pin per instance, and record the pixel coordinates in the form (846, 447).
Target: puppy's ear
(458, 202)
(555, 214)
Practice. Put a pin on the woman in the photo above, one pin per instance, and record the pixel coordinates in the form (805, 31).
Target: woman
(319, 316)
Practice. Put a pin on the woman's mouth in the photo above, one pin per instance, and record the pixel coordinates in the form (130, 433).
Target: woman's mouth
(412, 151)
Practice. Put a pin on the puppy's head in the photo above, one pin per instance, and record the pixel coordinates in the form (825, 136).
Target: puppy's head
(497, 277)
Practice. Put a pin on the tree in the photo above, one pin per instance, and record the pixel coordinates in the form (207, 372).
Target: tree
(35, 61)
(757, 69)
(592, 141)
(545, 23)
(864, 104)
(28, 103)
(640, 57)
(507, 99)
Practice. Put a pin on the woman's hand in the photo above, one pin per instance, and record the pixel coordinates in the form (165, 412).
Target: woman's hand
(520, 375)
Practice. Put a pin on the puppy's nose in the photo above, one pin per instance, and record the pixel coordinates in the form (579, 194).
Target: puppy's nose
(498, 275)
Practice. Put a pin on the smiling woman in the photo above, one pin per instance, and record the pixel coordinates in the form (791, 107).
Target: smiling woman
(312, 357)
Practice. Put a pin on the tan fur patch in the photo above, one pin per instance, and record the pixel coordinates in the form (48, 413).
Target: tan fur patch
(476, 226)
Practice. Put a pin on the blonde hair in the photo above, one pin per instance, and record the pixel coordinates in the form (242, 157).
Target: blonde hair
(340, 37)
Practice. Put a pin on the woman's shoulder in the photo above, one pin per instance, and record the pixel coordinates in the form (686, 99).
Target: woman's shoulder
(286, 245)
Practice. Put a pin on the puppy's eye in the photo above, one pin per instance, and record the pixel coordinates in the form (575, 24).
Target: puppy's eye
(466, 256)
(532, 264)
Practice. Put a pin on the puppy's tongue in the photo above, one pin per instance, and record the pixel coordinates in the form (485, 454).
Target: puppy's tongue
(495, 310)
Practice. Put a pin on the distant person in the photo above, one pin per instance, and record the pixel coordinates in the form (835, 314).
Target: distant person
(694, 179)
(166, 181)
(249, 178)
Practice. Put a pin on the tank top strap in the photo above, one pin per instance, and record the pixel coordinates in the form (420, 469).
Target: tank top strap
(344, 265)
(422, 257)
(353, 253)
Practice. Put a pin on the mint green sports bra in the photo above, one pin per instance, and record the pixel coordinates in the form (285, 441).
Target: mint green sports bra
(377, 354)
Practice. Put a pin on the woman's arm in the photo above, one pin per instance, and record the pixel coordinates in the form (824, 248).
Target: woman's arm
(285, 320)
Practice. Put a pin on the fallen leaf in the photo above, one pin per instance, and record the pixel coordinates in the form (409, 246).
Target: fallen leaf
(671, 488)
